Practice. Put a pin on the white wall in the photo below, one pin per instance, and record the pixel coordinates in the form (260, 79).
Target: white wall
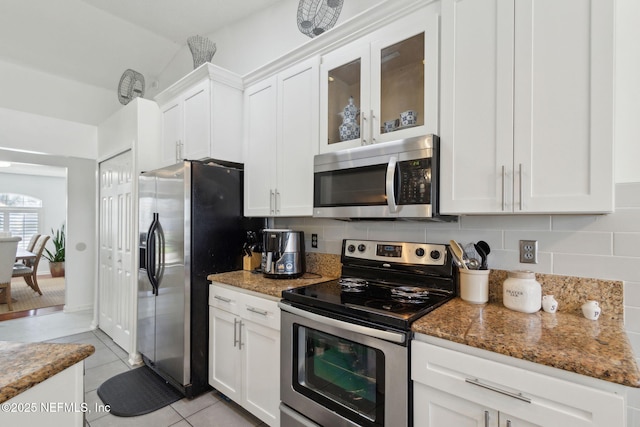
(51, 190)
(627, 101)
(46, 135)
(252, 42)
(80, 205)
(29, 90)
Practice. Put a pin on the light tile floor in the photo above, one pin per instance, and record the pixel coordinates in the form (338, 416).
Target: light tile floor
(109, 359)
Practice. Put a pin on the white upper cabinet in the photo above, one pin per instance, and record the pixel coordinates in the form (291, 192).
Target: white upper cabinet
(260, 148)
(281, 138)
(527, 106)
(202, 116)
(391, 78)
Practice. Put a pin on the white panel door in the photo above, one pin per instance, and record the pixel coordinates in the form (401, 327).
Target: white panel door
(225, 359)
(172, 139)
(435, 408)
(298, 113)
(261, 371)
(260, 149)
(116, 277)
(563, 127)
(477, 106)
(197, 122)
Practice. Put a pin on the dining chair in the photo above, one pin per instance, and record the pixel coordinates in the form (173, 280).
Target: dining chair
(30, 274)
(32, 242)
(8, 247)
(30, 246)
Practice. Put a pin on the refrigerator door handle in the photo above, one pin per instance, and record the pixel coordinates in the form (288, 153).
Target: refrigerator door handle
(151, 254)
(161, 264)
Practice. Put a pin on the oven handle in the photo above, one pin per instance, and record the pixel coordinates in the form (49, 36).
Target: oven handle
(376, 333)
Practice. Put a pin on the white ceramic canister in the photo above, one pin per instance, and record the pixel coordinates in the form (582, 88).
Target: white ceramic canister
(521, 292)
(474, 286)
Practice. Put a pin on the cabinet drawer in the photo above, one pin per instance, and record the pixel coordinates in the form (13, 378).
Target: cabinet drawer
(225, 299)
(529, 395)
(260, 310)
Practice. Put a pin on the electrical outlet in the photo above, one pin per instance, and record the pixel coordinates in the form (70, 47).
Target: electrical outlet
(529, 251)
(314, 240)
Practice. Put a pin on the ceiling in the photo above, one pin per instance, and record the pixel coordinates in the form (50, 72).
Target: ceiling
(95, 41)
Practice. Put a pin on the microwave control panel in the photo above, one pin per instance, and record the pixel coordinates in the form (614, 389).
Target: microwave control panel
(414, 182)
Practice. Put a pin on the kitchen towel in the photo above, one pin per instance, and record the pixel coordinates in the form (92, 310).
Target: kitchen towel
(137, 392)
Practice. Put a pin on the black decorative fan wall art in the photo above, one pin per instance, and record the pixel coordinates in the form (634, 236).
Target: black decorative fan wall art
(131, 86)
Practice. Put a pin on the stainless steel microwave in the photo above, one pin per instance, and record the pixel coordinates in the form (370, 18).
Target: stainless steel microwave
(391, 180)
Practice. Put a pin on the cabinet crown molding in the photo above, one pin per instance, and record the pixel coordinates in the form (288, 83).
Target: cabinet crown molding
(350, 30)
(205, 71)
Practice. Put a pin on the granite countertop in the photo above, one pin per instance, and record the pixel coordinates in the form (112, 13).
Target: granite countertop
(595, 348)
(256, 282)
(563, 340)
(25, 365)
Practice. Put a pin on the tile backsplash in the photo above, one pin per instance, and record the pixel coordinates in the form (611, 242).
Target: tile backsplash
(588, 246)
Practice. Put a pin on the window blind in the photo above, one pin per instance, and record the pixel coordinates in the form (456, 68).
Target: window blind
(20, 216)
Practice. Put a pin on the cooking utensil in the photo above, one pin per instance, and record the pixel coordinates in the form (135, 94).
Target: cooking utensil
(458, 253)
(473, 264)
(483, 250)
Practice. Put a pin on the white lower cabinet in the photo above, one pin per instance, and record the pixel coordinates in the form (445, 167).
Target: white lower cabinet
(244, 351)
(58, 401)
(451, 388)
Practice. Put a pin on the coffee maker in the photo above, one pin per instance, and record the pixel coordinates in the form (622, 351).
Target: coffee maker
(283, 254)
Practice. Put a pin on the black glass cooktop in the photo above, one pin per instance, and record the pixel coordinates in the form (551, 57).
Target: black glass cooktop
(382, 303)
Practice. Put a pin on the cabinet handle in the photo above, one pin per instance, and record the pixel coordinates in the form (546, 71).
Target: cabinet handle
(503, 189)
(240, 334)
(179, 151)
(508, 423)
(271, 201)
(486, 418)
(362, 127)
(257, 311)
(222, 298)
(235, 332)
(520, 173)
(373, 139)
(277, 202)
(518, 396)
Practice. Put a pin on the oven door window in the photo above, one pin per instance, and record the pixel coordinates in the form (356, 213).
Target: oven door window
(344, 376)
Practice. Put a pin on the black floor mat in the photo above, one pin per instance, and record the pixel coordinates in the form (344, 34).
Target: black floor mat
(137, 392)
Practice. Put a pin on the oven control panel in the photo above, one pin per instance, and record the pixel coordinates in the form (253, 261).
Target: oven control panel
(396, 252)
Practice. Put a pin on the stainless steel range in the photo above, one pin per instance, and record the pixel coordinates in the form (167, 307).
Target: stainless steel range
(345, 343)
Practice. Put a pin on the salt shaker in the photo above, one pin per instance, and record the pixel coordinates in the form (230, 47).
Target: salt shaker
(549, 304)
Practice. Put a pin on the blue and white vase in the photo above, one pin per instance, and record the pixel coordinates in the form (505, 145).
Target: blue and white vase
(349, 129)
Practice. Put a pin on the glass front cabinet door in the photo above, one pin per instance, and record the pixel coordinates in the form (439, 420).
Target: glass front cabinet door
(384, 86)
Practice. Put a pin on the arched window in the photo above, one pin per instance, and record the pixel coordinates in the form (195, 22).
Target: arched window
(20, 216)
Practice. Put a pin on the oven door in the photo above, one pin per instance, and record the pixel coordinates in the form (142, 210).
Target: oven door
(337, 373)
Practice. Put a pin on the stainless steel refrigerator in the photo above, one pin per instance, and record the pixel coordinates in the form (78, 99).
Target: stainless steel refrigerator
(191, 225)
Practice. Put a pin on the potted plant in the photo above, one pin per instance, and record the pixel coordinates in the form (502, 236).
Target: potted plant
(56, 259)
